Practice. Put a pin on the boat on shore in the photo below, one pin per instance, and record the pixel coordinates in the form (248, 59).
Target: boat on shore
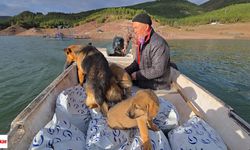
(188, 97)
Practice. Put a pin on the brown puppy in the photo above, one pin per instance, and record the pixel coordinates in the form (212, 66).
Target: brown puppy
(137, 111)
(101, 84)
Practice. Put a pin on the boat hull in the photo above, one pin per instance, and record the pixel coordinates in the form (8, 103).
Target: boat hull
(40, 111)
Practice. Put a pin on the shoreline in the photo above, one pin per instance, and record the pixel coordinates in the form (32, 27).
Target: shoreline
(107, 31)
(178, 38)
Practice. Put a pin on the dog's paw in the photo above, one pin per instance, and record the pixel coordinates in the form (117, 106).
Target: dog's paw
(152, 126)
(147, 145)
(93, 106)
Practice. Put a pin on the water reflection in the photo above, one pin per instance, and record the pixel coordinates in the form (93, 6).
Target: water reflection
(221, 66)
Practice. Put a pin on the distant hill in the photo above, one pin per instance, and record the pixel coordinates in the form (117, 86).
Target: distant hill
(169, 8)
(230, 14)
(2, 18)
(111, 14)
(4, 22)
(216, 4)
(29, 19)
(171, 12)
(160, 10)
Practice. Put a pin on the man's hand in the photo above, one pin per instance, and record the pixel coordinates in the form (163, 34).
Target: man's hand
(123, 51)
(133, 76)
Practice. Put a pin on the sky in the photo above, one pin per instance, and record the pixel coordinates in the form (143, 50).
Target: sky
(14, 7)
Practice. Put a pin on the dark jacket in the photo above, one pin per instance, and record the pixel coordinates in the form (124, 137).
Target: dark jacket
(153, 71)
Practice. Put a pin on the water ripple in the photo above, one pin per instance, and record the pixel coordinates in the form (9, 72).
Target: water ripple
(28, 65)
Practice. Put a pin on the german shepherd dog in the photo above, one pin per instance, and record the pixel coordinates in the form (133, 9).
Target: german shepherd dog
(93, 68)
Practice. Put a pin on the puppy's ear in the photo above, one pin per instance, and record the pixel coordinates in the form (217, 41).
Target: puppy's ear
(135, 111)
(131, 111)
(67, 51)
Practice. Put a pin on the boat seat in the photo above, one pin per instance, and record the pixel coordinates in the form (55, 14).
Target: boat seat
(175, 98)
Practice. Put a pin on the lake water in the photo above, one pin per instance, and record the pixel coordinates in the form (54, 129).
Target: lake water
(29, 64)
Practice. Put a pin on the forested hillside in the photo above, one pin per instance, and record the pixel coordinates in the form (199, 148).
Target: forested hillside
(170, 12)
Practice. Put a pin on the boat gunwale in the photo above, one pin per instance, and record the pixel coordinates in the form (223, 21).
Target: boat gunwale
(231, 113)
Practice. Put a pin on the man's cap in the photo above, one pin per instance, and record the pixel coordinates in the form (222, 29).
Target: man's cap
(143, 18)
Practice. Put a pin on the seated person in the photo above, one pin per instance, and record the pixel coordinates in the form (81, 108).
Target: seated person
(151, 67)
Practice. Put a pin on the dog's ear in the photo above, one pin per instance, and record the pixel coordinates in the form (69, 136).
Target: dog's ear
(67, 51)
(131, 111)
(135, 111)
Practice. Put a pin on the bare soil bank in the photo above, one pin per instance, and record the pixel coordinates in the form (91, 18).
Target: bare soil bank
(109, 30)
